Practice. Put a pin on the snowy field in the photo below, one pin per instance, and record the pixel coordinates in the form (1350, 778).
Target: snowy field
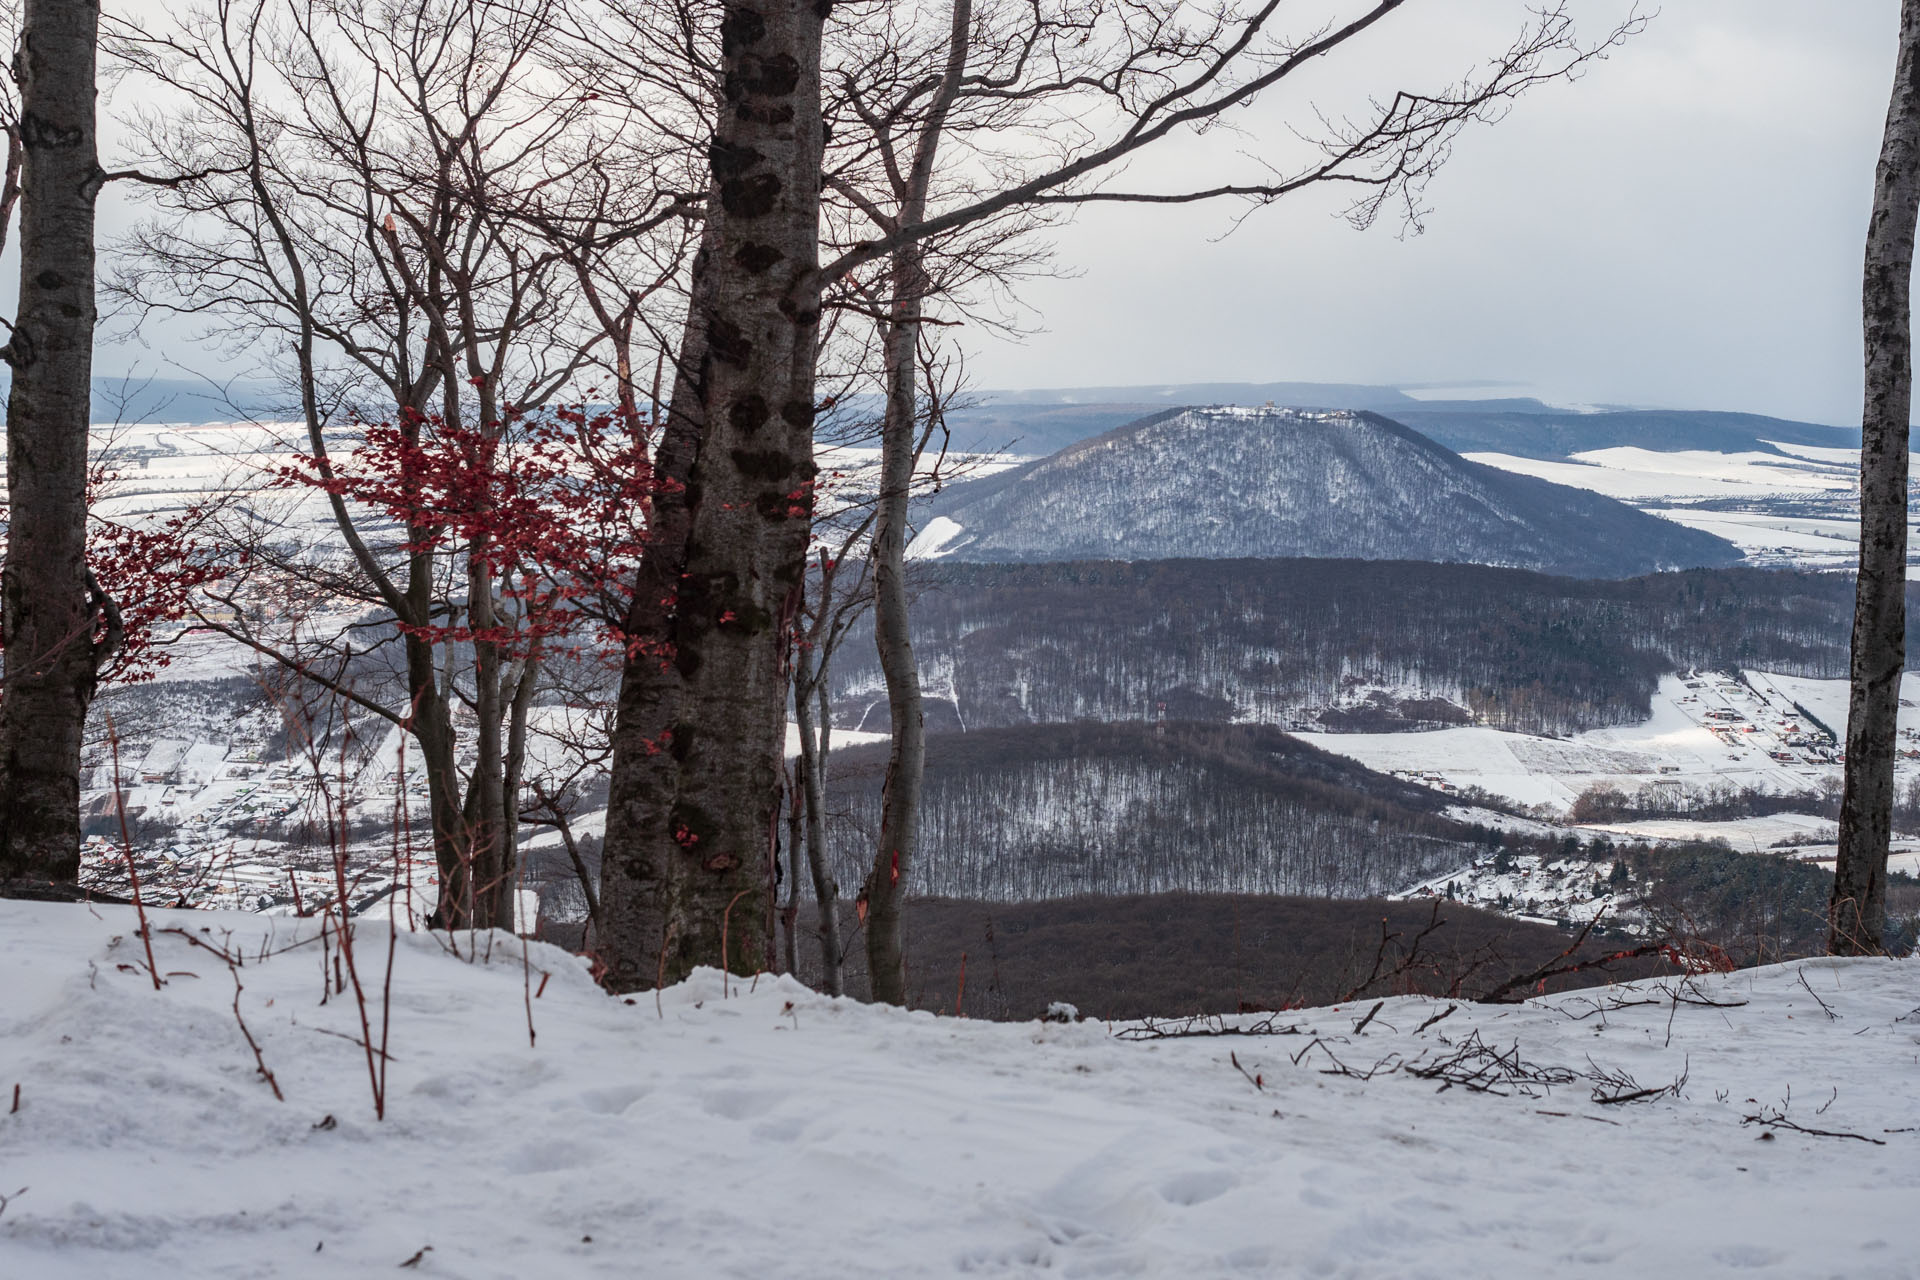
(1692, 738)
(771, 1132)
(1640, 475)
(1800, 505)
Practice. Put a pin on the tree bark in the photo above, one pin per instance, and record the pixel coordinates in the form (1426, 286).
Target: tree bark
(47, 613)
(899, 450)
(1857, 913)
(815, 742)
(696, 771)
(885, 886)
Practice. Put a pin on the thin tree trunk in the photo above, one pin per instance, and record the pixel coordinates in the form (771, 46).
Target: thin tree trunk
(1857, 913)
(492, 877)
(45, 608)
(796, 793)
(810, 682)
(796, 850)
(907, 756)
(526, 679)
(697, 744)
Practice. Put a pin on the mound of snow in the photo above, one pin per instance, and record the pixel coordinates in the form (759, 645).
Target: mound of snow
(755, 1129)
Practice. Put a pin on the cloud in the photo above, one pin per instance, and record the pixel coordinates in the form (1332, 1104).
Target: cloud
(1681, 227)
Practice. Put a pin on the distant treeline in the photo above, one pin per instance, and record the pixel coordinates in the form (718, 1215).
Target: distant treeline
(1288, 641)
(1724, 802)
(1054, 811)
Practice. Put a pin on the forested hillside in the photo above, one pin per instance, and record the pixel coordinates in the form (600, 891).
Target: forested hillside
(1051, 811)
(1305, 642)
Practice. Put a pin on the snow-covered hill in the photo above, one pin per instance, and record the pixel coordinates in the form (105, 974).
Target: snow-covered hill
(1223, 483)
(1762, 1122)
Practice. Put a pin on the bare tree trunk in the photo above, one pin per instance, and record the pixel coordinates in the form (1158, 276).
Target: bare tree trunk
(1857, 914)
(492, 878)
(697, 745)
(885, 886)
(524, 682)
(796, 850)
(810, 682)
(907, 756)
(45, 608)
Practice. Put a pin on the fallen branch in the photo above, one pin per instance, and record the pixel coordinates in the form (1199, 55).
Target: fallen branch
(1204, 1025)
(1778, 1120)
(1824, 1006)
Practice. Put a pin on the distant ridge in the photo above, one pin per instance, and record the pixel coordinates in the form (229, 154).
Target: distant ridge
(186, 401)
(1229, 482)
(1557, 435)
(1040, 422)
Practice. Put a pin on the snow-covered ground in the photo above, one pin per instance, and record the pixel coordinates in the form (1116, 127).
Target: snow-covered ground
(765, 1131)
(1748, 835)
(1778, 537)
(1563, 891)
(1799, 506)
(1641, 475)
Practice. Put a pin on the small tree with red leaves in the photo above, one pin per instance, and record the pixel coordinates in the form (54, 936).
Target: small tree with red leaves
(541, 517)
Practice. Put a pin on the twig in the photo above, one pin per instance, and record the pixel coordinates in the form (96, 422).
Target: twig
(1824, 1006)
(126, 846)
(1372, 1013)
(1778, 1120)
(227, 957)
(1554, 969)
(1257, 1082)
(259, 1059)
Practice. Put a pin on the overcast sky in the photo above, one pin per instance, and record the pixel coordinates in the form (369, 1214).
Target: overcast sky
(1680, 228)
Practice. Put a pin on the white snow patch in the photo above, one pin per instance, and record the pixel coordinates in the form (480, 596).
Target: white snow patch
(1681, 743)
(934, 538)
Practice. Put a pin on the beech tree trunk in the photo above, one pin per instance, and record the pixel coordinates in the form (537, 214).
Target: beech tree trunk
(907, 751)
(899, 450)
(687, 876)
(46, 610)
(1857, 913)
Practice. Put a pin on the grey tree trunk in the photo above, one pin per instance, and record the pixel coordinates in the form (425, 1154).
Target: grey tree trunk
(815, 742)
(899, 449)
(885, 886)
(696, 772)
(45, 606)
(1857, 913)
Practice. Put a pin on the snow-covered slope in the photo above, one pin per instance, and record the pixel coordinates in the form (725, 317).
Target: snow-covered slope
(1221, 483)
(761, 1130)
